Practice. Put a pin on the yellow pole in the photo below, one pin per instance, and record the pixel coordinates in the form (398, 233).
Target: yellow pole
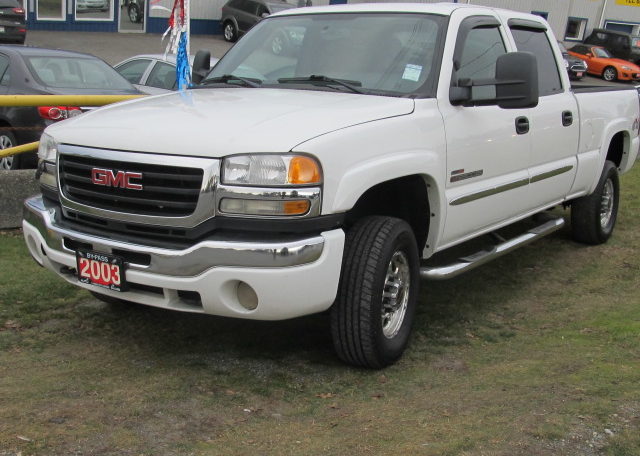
(63, 100)
(29, 147)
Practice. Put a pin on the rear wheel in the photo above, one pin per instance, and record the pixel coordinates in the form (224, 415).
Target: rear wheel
(593, 217)
(13, 162)
(610, 74)
(372, 317)
(230, 32)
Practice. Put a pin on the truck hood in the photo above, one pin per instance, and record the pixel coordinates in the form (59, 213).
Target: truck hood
(219, 122)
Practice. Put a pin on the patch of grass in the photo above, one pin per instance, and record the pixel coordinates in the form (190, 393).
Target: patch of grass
(536, 353)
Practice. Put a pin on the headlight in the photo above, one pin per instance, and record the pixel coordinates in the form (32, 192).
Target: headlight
(626, 68)
(270, 185)
(47, 157)
(271, 170)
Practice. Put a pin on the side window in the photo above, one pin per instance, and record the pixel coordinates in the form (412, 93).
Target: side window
(162, 76)
(133, 71)
(4, 70)
(536, 42)
(481, 49)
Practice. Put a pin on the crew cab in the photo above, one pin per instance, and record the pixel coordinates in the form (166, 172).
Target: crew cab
(324, 179)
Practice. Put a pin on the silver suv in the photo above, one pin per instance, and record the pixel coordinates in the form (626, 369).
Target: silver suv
(238, 16)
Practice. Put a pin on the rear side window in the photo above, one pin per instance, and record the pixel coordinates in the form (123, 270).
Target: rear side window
(481, 50)
(536, 42)
(162, 76)
(133, 71)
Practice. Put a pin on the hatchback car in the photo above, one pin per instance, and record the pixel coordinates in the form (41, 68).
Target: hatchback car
(238, 16)
(13, 27)
(152, 73)
(31, 70)
(602, 63)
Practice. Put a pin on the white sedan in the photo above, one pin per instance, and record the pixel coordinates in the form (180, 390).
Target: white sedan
(152, 73)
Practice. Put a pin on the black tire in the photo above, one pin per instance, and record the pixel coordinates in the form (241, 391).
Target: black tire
(7, 139)
(230, 32)
(361, 335)
(593, 217)
(609, 74)
(134, 13)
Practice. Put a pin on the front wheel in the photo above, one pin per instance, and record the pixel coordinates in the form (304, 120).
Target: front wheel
(610, 74)
(593, 217)
(372, 317)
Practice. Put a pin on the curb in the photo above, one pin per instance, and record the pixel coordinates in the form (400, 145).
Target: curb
(15, 187)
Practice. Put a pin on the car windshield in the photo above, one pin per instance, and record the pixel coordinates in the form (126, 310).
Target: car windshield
(388, 54)
(602, 53)
(76, 73)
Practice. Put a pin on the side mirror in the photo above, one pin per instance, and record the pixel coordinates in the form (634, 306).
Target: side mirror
(517, 76)
(201, 66)
(516, 83)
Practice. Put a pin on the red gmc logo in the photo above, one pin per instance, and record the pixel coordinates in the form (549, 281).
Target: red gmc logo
(109, 178)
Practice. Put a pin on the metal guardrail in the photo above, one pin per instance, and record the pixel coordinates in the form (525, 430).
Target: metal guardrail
(55, 100)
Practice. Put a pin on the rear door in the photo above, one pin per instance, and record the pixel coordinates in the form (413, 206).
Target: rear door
(553, 123)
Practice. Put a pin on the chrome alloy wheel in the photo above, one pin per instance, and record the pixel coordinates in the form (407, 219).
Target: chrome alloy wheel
(395, 295)
(609, 74)
(228, 31)
(5, 143)
(606, 204)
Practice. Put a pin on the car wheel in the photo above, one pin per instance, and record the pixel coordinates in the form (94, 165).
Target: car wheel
(372, 316)
(230, 32)
(134, 13)
(279, 44)
(610, 74)
(8, 140)
(593, 217)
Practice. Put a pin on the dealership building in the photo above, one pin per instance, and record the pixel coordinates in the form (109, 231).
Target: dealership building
(571, 20)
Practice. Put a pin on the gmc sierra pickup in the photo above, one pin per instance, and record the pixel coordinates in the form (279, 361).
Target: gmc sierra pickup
(322, 177)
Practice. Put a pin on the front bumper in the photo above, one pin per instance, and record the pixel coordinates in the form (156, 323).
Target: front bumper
(289, 278)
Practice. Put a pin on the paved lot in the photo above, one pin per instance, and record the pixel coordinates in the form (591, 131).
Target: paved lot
(115, 47)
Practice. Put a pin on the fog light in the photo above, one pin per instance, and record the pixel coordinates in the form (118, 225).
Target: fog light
(247, 296)
(264, 207)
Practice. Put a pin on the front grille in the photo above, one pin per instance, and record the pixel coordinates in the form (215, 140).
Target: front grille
(167, 190)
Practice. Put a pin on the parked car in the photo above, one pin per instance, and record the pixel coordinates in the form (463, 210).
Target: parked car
(238, 16)
(31, 70)
(601, 63)
(620, 44)
(84, 6)
(576, 67)
(152, 73)
(13, 28)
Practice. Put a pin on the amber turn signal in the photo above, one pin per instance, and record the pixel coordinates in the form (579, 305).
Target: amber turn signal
(304, 171)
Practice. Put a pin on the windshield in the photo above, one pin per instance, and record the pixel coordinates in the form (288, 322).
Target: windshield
(390, 54)
(76, 73)
(602, 53)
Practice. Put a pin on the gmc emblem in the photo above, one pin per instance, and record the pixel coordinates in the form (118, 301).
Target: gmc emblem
(109, 178)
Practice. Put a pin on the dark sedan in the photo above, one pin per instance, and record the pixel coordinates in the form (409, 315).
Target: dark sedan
(13, 27)
(31, 71)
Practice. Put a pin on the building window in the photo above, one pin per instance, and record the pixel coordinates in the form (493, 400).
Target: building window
(543, 14)
(50, 9)
(576, 27)
(93, 10)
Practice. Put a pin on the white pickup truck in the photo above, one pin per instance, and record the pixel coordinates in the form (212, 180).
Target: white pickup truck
(322, 176)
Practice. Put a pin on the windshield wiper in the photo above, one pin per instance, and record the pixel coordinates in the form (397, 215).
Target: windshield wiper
(231, 79)
(324, 80)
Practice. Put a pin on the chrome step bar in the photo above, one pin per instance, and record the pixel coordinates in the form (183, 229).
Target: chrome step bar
(470, 262)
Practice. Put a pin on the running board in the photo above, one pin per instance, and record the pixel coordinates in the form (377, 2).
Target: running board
(470, 262)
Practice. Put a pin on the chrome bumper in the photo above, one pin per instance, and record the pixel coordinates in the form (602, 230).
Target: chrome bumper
(179, 263)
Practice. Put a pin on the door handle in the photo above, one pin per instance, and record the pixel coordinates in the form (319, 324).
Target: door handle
(522, 125)
(567, 118)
